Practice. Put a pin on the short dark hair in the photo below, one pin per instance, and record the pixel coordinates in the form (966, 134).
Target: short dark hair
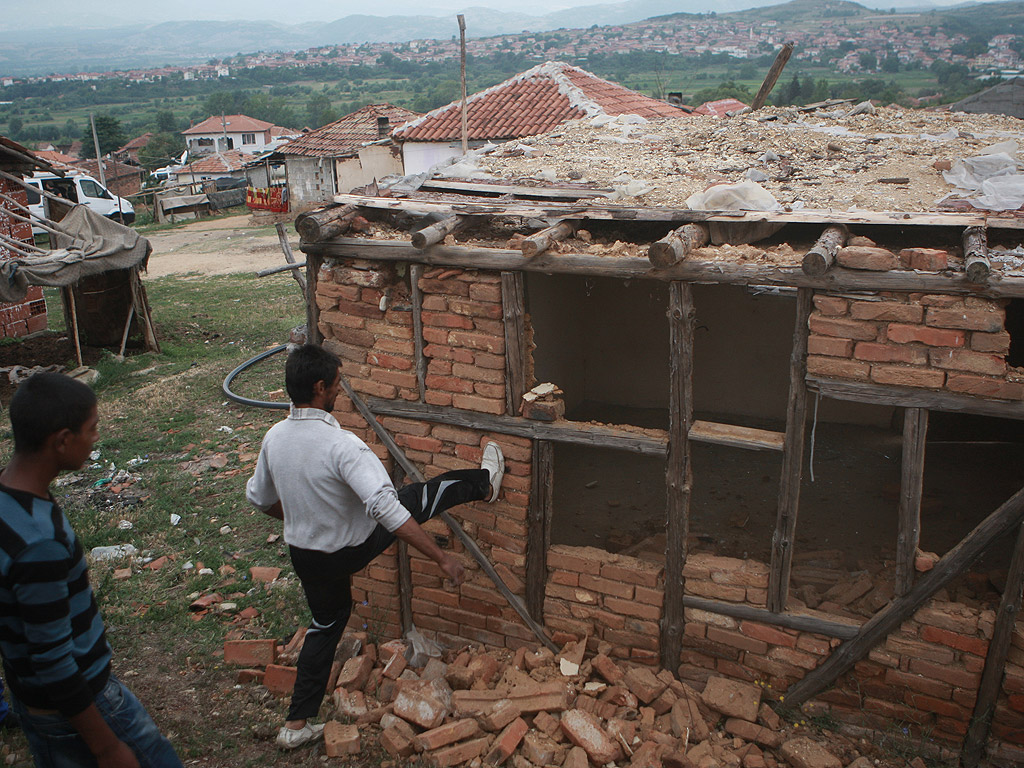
(47, 403)
(306, 366)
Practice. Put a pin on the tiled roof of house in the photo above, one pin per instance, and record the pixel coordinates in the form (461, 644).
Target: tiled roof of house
(138, 142)
(347, 135)
(534, 102)
(58, 159)
(720, 107)
(219, 162)
(230, 124)
(111, 169)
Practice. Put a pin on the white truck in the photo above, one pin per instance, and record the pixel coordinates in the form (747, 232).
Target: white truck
(79, 188)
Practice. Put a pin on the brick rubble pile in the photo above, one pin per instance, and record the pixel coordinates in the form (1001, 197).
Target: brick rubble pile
(536, 708)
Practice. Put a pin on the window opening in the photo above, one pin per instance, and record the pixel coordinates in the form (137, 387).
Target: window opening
(1014, 325)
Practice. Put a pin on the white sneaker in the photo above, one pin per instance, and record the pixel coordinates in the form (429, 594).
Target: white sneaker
(494, 462)
(290, 738)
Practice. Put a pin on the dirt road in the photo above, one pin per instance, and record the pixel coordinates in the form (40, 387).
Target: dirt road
(217, 247)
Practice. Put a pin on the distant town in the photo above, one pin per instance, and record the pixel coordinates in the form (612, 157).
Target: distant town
(838, 43)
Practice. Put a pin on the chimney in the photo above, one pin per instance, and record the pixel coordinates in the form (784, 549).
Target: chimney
(383, 127)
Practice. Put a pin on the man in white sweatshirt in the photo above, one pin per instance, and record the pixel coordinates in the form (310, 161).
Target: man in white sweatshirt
(341, 510)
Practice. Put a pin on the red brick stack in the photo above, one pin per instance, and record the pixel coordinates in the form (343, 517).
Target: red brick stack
(29, 315)
(934, 341)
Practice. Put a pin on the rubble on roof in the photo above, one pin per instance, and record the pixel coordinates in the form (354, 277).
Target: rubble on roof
(881, 159)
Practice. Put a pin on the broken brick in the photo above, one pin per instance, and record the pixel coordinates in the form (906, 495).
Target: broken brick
(584, 730)
(501, 714)
(340, 740)
(538, 748)
(449, 733)
(507, 742)
(421, 704)
(279, 679)
(250, 653)
(460, 753)
(803, 752)
(732, 698)
(642, 682)
(752, 732)
(355, 673)
(607, 669)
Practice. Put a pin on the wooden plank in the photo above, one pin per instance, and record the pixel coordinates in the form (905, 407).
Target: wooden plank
(648, 442)
(910, 397)
(516, 190)
(995, 659)
(951, 565)
(790, 620)
(772, 77)
(513, 310)
(415, 273)
(737, 437)
(538, 527)
(696, 270)
(678, 469)
(915, 430)
(792, 459)
(581, 210)
(467, 541)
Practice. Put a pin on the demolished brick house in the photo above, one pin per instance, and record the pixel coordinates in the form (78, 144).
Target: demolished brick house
(706, 366)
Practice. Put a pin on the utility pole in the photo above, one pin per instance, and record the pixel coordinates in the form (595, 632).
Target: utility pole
(96, 144)
(224, 130)
(462, 47)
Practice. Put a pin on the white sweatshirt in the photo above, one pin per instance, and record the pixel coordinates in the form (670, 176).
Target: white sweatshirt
(333, 489)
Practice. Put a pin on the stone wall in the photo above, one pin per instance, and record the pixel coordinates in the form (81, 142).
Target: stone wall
(953, 343)
(924, 677)
(29, 315)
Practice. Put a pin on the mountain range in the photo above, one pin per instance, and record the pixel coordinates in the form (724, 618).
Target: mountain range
(80, 48)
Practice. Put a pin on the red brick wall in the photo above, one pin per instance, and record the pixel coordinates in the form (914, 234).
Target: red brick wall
(951, 343)
(28, 315)
(926, 674)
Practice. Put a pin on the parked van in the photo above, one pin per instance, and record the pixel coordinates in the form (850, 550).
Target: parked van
(79, 188)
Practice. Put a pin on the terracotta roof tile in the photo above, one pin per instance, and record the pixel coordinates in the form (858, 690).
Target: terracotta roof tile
(347, 135)
(219, 162)
(231, 123)
(720, 107)
(535, 101)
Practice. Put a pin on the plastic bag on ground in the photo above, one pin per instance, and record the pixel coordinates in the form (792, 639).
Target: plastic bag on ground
(969, 173)
(744, 196)
(420, 650)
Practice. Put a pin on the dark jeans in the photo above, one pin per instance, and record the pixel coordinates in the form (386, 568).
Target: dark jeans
(326, 579)
(55, 743)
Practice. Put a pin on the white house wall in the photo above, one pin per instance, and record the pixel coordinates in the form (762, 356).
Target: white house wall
(374, 162)
(420, 156)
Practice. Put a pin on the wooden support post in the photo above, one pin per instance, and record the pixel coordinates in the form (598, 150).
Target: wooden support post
(539, 242)
(415, 273)
(324, 224)
(915, 429)
(772, 77)
(995, 659)
(822, 255)
(788, 620)
(538, 529)
(404, 568)
(674, 246)
(792, 459)
(286, 248)
(313, 263)
(437, 231)
(471, 546)
(678, 470)
(976, 263)
(951, 565)
(464, 132)
(513, 309)
(140, 301)
(69, 304)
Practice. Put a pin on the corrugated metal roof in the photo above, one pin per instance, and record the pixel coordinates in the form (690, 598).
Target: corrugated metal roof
(347, 135)
(533, 102)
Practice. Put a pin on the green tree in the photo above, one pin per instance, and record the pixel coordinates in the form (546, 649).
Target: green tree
(109, 132)
(319, 111)
(166, 122)
(14, 126)
(71, 128)
(162, 149)
(868, 61)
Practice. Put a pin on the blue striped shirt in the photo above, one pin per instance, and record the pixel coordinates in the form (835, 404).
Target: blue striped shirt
(54, 647)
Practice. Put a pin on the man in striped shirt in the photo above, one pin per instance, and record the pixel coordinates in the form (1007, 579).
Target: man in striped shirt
(56, 660)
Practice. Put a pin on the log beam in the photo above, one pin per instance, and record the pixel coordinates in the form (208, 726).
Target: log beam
(976, 263)
(822, 255)
(674, 246)
(415, 273)
(742, 611)
(539, 242)
(437, 231)
(324, 224)
(513, 310)
(951, 565)
(772, 77)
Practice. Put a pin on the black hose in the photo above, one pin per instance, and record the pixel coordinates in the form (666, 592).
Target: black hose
(245, 400)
